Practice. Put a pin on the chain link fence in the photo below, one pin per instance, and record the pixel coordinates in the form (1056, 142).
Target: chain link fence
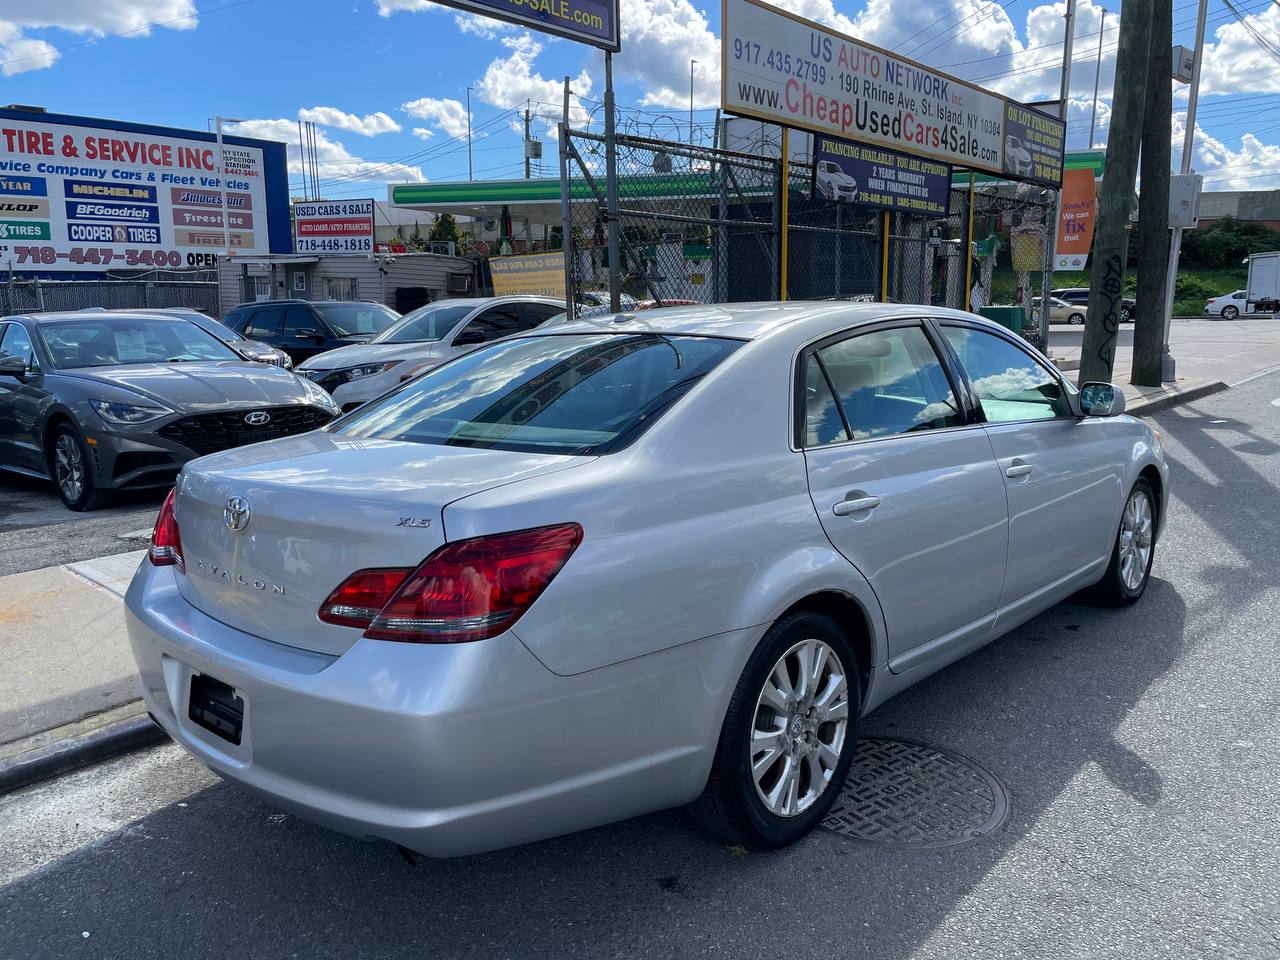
(699, 224)
(40, 296)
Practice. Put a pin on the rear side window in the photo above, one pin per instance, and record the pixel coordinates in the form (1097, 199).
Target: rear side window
(582, 394)
(493, 323)
(535, 314)
(1011, 384)
(298, 321)
(262, 324)
(887, 382)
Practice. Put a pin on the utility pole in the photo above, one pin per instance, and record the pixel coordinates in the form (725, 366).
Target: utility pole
(1097, 73)
(1188, 141)
(1110, 243)
(1051, 224)
(526, 143)
(470, 172)
(1153, 202)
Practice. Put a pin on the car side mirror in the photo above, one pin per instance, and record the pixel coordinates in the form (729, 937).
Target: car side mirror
(13, 367)
(1101, 400)
(468, 337)
(303, 333)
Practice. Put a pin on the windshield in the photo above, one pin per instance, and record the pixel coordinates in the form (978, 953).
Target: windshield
(357, 319)
(578, 394)
(431, 322)
(217, 328)
(102, 342)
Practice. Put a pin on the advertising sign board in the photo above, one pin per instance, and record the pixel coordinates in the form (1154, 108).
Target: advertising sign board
(333, 226)
(81, 194)
(587, 21)
(1075, 220)
(874, 177)
(779, 67)
(540, 274)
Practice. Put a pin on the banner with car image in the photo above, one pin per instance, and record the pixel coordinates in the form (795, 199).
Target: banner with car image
(848, 172)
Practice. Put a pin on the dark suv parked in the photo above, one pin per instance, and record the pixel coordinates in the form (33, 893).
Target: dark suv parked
(303, 328)
(1080, 297)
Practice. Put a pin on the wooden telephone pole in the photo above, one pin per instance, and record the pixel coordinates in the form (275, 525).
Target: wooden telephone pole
(1110, 243)
(1153, 203)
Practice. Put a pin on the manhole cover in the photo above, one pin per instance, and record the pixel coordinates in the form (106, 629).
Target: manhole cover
(906, 794)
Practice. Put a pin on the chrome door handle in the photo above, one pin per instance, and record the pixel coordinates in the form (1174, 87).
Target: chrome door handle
(1018, 470)
(846, 508)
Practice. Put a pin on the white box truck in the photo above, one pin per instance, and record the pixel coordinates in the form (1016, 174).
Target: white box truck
(1263, 294)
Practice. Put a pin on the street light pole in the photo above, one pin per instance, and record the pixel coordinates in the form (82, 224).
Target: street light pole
(222, 183)
(691, 63)
(1051, 225)
(470, 173)
(1097, 72)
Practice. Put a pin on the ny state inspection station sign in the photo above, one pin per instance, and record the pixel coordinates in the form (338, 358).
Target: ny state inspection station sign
(783, 69)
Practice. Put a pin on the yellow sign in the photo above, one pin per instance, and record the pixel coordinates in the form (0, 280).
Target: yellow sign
(528, 273)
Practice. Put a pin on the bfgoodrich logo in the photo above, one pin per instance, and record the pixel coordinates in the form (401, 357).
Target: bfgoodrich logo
(17, 230)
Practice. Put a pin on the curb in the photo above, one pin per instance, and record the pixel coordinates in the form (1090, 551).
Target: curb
(1145, 408)
(64, 756)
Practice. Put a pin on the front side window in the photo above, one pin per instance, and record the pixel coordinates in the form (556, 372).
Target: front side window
(493, 323)
(299, 322)
(16, 342)
(1011, 384)
(357, 319)
(582, 394)
(103, 343)
(428, 323)
(263, 324)
(887, 382)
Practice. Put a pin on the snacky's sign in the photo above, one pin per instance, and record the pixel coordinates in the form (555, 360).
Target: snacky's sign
(787, 70)
(589, 21)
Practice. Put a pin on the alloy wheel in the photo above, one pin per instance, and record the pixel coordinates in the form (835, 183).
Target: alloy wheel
(801, 718)
(68, 467)
(1136, 530)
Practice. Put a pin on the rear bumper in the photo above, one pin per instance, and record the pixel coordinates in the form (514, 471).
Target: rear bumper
(446, 749)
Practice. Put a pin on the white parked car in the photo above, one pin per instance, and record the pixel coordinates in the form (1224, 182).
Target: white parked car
(420, 340)
(1228, 306)
(598, 570)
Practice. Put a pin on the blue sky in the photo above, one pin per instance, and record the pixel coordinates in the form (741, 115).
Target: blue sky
(386, 79)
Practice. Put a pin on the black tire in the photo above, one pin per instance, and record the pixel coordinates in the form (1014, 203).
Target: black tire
(87, 496)
(1112, 590)
(1126, 315)
(1076, 319)
(1230, 312)
(730, 805)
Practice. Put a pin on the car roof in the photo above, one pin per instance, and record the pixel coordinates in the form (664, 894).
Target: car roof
(755, 321)
(64, 316)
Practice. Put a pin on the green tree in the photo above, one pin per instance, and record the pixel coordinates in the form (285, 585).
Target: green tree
(445, 227)
(1226, 242)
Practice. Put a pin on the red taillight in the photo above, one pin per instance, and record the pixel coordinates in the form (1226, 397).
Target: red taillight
(469, 590)
(358, 599)
(166, 545)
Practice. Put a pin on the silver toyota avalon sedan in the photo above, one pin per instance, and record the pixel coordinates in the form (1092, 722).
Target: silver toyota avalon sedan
(629, 563)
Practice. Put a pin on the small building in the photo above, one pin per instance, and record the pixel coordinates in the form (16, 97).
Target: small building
(402, 281)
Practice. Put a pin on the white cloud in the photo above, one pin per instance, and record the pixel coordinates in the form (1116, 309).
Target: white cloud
(96, 18)
(482, 26)
(387, 7)
(422, 133)
(1236, 63)
(511, 80)
(370, 125)
(659, 38)
(333, 159)
(1255, 166)
(449, 115)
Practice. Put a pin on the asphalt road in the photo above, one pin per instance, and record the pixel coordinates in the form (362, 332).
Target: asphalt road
(1140, 749)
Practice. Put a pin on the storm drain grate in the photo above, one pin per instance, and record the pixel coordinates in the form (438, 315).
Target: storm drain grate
(906, 794)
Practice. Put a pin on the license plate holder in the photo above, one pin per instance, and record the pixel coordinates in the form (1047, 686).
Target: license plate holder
(215, 707)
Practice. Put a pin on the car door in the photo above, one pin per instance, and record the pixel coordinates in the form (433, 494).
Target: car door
(1062, 474)
(21, 402)
(904, 484)
(303, 334)
(497, 321)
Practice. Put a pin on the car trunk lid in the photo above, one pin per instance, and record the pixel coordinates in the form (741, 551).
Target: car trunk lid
(269, 531)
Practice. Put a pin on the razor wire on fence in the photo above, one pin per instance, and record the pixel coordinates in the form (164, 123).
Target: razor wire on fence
(700, 224)
(42, 296)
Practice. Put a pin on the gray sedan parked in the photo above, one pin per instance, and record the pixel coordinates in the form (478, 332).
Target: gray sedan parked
(108, 401)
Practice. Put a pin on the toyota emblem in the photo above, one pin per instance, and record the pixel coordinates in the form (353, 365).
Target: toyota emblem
(236, 514)
(257, 418)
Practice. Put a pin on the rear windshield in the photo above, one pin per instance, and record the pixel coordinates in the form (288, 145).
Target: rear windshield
(355, 319)
(426, 323)
(577, 394)
(103, 342)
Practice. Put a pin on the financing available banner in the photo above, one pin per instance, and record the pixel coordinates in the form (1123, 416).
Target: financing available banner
(847, 172)
(97, 195)
(781, 68)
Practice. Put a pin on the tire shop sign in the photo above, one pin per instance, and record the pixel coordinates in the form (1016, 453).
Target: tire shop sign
(783, 69)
